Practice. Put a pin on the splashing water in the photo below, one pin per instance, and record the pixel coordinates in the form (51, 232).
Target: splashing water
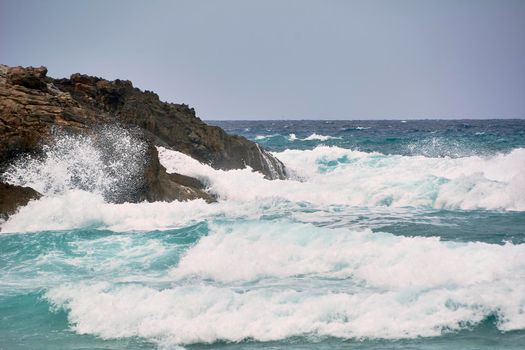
(108, 162)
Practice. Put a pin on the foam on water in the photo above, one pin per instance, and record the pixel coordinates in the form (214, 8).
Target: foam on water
(317, 137)
(271, 281)
(312, 137)
(332, 175)
(376, 259)
(324, 176)
(272, 260)
(262, 137)
(79, 209)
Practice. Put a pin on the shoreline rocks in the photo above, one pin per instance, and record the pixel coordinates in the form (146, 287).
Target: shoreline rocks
(175, 126)
(32, 105)
(12, 197)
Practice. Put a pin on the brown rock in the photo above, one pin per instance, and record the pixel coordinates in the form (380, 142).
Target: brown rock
(173, 125)
(31, 78)
(12, 197)
(158, 185)
(32, 105)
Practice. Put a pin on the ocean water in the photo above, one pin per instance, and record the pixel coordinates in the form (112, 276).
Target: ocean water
(388, 235)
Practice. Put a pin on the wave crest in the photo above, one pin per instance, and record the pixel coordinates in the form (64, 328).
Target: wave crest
(333, 175)
(272, 281)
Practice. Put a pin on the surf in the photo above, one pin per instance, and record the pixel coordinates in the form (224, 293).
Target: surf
(355, 247)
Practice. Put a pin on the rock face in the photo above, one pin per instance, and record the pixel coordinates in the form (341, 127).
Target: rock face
(32, 105)
(158, 185)
(12, 197)
(173, 125)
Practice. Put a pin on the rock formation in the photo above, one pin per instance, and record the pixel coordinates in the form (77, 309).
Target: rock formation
(32, 105)
(173, 125)
(12, 197)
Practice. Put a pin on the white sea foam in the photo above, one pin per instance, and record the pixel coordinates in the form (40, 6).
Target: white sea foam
(323, 177)
(317, 137)
(263, 137)
(108, 162)
(270, 281)
(313, 137)
(254, 279)
(356, 128)
(333, 175)
(378, 260)
(78, 209)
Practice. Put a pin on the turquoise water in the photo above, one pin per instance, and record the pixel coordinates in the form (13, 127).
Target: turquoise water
(434, 138)
(389, 235)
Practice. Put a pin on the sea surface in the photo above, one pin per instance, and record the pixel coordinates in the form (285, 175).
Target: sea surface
(388, 235)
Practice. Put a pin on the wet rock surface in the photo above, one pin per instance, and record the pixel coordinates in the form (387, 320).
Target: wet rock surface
(172, 125)
(158, 185)
(33, 105)
(12, 197)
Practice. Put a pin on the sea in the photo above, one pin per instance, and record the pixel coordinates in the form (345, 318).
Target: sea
(387, 235)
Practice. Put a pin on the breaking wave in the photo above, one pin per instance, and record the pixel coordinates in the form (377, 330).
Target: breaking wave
(333, 175)
(261, 264)
(313, 137)
(322, 177)
(271, 281)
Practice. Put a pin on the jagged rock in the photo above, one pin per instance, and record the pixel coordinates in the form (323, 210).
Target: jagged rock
(27, 115)
(12, 197)
(32, 105)
(82, 101)
(173, 125)
(158, 185)
(31, 78)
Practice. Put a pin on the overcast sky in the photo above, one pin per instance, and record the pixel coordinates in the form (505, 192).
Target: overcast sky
(282, 59)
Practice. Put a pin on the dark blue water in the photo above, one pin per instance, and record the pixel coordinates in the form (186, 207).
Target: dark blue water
(434, 138)
(389, 235)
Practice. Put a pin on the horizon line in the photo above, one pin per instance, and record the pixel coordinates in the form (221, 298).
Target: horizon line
(373, 119)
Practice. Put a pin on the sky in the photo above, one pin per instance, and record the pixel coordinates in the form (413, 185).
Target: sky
(287, 59)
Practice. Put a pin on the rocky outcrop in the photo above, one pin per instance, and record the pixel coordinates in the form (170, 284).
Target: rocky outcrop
(158, 185)
(32, 105)
(12, 197)
(31, 78)
(28, 111)
(173, 125)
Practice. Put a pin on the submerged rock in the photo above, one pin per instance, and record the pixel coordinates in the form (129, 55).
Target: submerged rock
(33, 105)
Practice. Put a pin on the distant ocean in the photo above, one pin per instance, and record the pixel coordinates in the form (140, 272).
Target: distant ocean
(388, 235)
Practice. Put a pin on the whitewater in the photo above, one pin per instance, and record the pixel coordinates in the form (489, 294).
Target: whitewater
(387, 234)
